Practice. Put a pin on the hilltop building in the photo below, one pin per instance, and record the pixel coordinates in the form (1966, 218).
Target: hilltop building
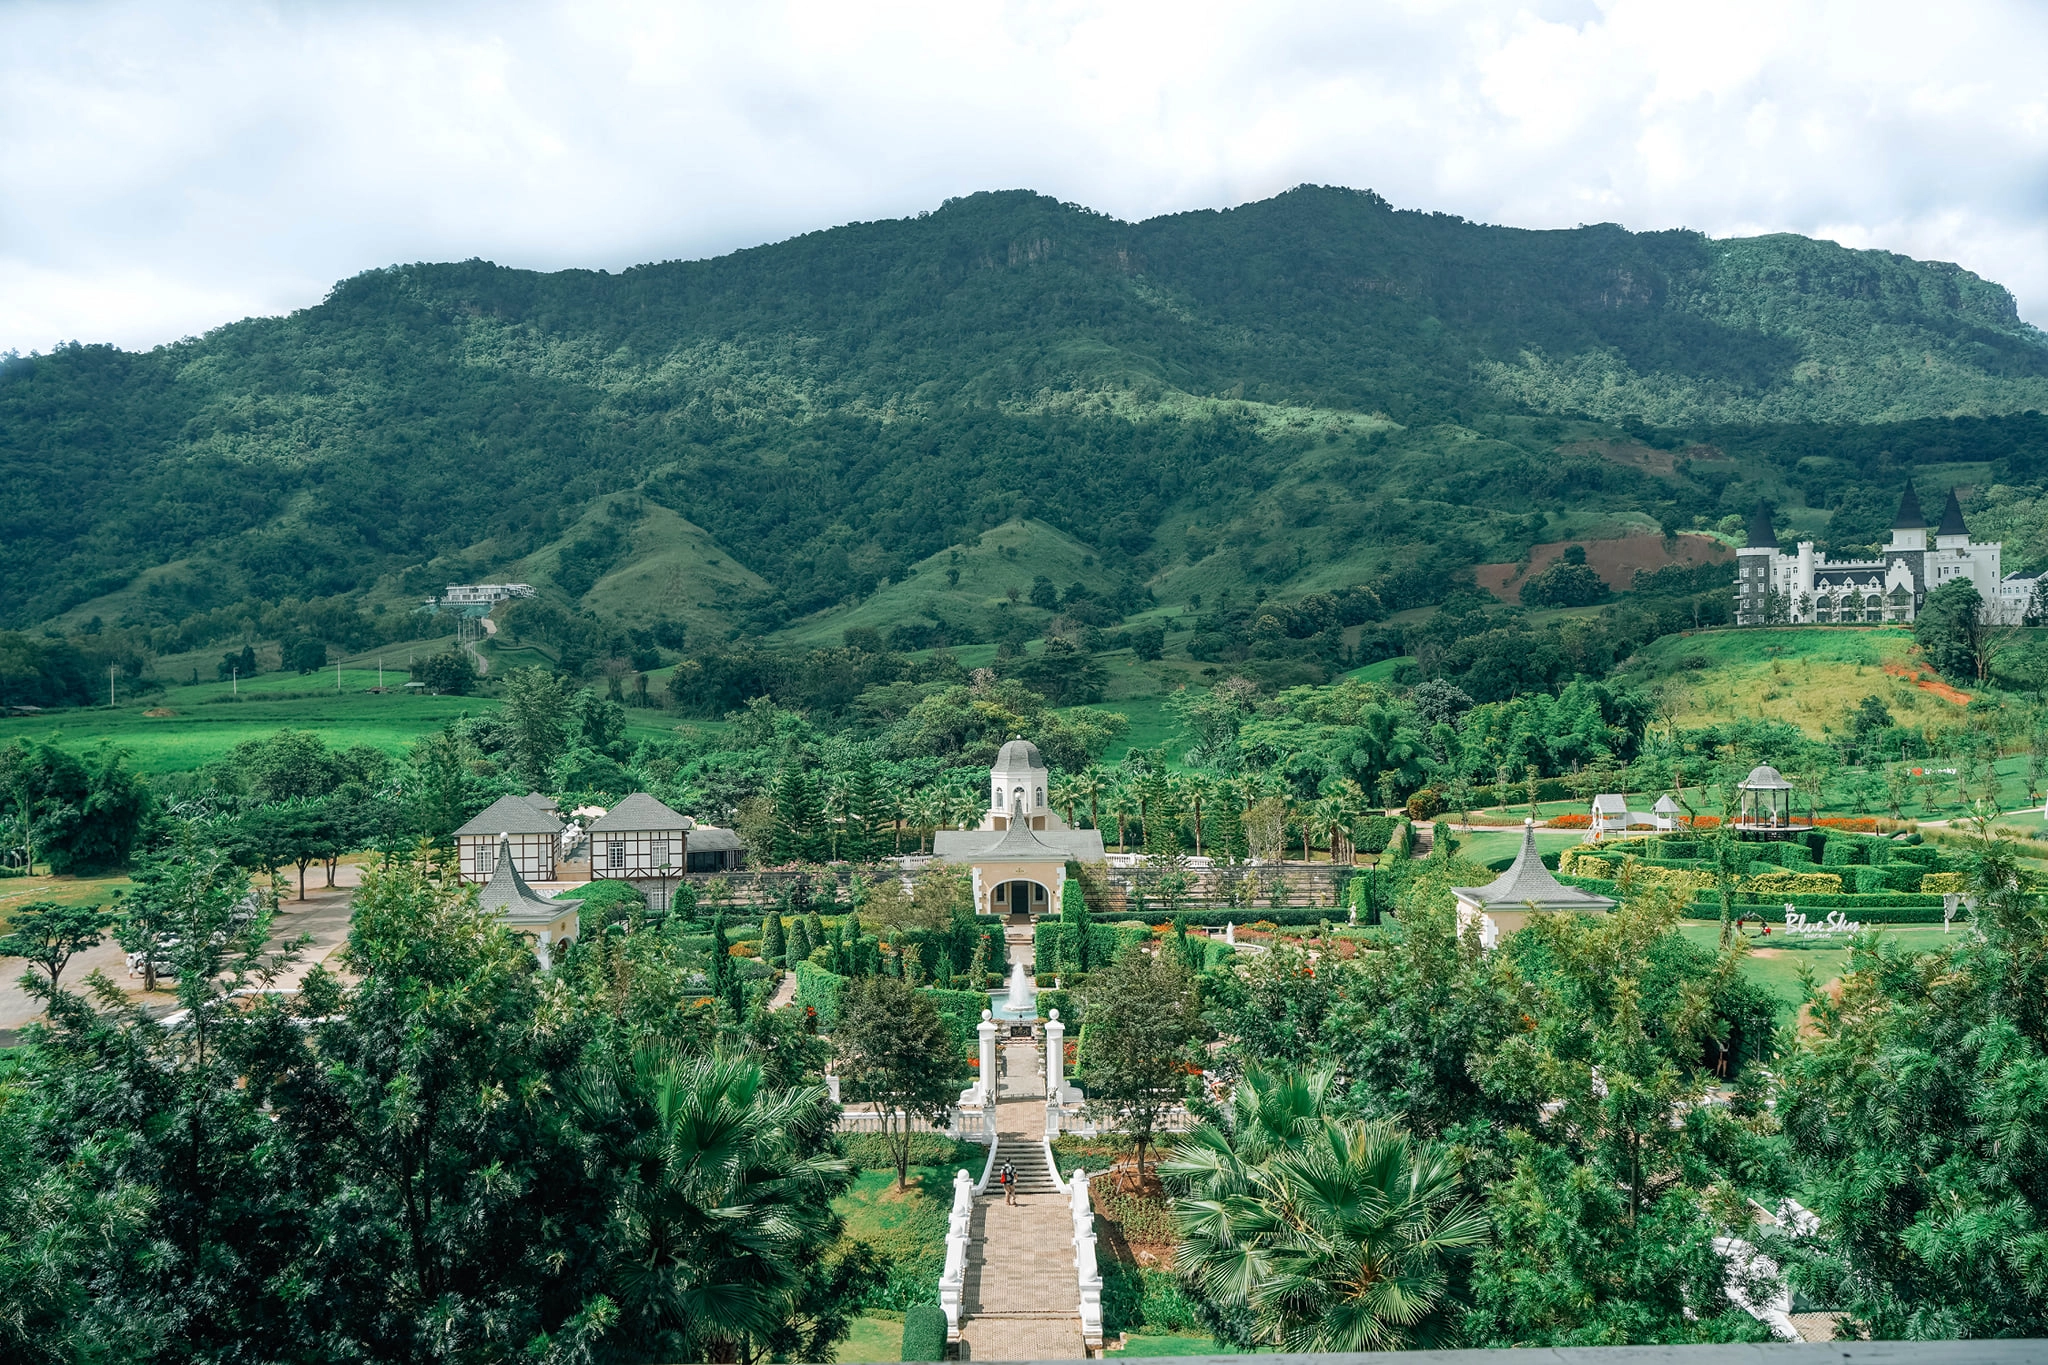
(1020, 853)
(486, 594)
(1805, 588)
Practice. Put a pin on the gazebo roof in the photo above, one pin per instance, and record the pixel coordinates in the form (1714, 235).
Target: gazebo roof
(1764, 778)
(507, 895)
(1528, 882)
(1666, 806)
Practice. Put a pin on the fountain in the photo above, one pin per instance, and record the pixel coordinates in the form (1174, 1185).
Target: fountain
(1020, 992)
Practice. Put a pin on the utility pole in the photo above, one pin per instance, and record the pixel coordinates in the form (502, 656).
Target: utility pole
(380, 675)
(337, 675)
(235, 681)
(110, 685)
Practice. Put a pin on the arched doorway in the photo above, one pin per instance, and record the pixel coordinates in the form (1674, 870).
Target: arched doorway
(1020, 900)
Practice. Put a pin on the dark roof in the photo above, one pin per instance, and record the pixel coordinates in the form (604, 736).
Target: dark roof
(1762, 536)
(508, 896)
(1018, 843)
(1019, 753)
(512, 815)
(712, 839)
(1909, 517)
(640, 812)
(1527, 881)
(1952, 518)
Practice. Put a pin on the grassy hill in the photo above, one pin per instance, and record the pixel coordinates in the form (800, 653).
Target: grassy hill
(1312, 387)
(1811, 677)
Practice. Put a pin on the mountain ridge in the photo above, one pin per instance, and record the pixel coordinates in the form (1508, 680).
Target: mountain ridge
(834, 408)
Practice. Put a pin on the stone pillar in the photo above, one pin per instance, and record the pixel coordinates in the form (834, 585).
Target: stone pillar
(988, 1057)
(1055, 1057)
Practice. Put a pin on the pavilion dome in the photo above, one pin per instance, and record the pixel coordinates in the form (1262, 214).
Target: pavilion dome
(1763, 777)
(1019, 753)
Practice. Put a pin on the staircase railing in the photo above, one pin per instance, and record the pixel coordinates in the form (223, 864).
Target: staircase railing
(953, 1279)
(1087, 1273)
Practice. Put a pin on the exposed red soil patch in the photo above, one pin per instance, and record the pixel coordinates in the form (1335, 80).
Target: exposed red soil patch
(1616, 561)
(1927, 681)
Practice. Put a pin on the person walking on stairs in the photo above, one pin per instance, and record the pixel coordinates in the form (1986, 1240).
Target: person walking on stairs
(1009, 1178)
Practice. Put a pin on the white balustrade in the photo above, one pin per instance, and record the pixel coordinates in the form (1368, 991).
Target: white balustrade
(953, 1279)
(1087, 1274)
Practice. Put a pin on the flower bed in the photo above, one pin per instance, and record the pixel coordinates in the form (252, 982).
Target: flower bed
(1573, 820)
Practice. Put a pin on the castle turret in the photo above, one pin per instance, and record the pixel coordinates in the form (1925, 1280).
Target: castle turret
(1952, 534)
(1754, 564)
(1909, 528)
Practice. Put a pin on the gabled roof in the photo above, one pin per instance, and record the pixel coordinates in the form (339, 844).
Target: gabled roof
(507, 895)
(1909, 517)
(640, 812)
(1665, 805)
(1018, 843)
(712, 839)
(1762, 535)
(1528, 882)
(511, 815)
(1611, 803)
(1952, 518)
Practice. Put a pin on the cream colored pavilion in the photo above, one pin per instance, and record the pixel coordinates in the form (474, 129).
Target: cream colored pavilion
(1020, 853)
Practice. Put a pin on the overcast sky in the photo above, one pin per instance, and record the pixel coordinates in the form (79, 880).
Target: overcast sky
(171, 166)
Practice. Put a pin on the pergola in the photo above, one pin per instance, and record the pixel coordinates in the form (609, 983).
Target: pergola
(1764, 805)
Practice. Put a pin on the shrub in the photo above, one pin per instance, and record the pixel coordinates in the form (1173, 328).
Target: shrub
(819, 989)
(1426, 804)
(924, 1333)
(1793, 883)
(1941, 883)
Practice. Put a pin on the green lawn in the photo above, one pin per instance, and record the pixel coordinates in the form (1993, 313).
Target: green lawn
(1775, 962)
(1485, 846)
(1174, 1344)
(872, 1341)
(63, 890)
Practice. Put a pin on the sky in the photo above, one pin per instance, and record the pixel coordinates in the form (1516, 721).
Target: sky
(172, 166)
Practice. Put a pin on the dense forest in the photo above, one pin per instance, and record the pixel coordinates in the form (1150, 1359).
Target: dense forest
(1312, 393)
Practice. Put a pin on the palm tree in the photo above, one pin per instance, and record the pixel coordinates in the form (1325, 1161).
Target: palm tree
(724, 1202)
(1088, 785)
(1064, 798)
(1317, 1234)
(1197, 789)
(925, 809)
(1329, 816)
(1123, 804)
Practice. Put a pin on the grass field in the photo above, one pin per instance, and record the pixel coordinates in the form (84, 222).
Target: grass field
(1173, 1344)
(1809, 676)
(209, 719)
(16, 891)
(871, 1342)
(1007, 556)
(1775, 963)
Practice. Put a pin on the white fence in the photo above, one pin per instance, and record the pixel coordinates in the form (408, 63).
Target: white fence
(953, 1279)
(1074, 1120)
(962, 1123)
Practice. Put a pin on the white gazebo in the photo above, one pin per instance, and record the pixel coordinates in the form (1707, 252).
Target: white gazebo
(509, 821)
(1764, 806)
(1526, 888)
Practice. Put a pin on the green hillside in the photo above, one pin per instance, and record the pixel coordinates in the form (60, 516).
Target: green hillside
(1308, 395)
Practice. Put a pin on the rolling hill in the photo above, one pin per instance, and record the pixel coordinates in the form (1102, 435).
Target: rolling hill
(1301, 395)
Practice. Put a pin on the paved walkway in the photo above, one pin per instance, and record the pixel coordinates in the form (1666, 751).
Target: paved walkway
(1021, 1301)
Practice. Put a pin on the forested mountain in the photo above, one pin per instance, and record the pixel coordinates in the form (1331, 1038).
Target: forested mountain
(1301, 394)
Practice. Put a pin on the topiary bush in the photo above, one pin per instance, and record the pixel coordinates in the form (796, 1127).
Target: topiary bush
(924, 1333)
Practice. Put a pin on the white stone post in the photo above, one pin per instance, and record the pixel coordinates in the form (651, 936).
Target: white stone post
(1055, 1057)
(988, 1057)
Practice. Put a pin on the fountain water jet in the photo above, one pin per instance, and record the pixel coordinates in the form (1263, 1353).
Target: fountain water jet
(1020, 990)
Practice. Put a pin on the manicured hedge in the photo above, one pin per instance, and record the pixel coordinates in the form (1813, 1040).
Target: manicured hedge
(962, 1012)
(1862, 914)
(819, 989)
(1061, 1000)
(1216, 919)
(924, 1332)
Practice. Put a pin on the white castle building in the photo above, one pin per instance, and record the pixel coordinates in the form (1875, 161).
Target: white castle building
(1805, 588)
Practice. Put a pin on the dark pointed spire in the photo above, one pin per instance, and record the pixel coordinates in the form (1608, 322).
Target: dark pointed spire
(1910, 517)
(1762, 536)
(1952, 518)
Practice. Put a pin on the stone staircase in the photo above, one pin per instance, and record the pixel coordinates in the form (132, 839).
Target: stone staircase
(1028, 1156)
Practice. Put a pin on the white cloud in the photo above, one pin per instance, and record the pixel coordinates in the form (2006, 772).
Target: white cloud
(171, 166)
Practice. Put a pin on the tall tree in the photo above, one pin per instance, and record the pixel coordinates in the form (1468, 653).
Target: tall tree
(1142, 1021)
(897, 1055)
(537, 712)
(50, 934)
